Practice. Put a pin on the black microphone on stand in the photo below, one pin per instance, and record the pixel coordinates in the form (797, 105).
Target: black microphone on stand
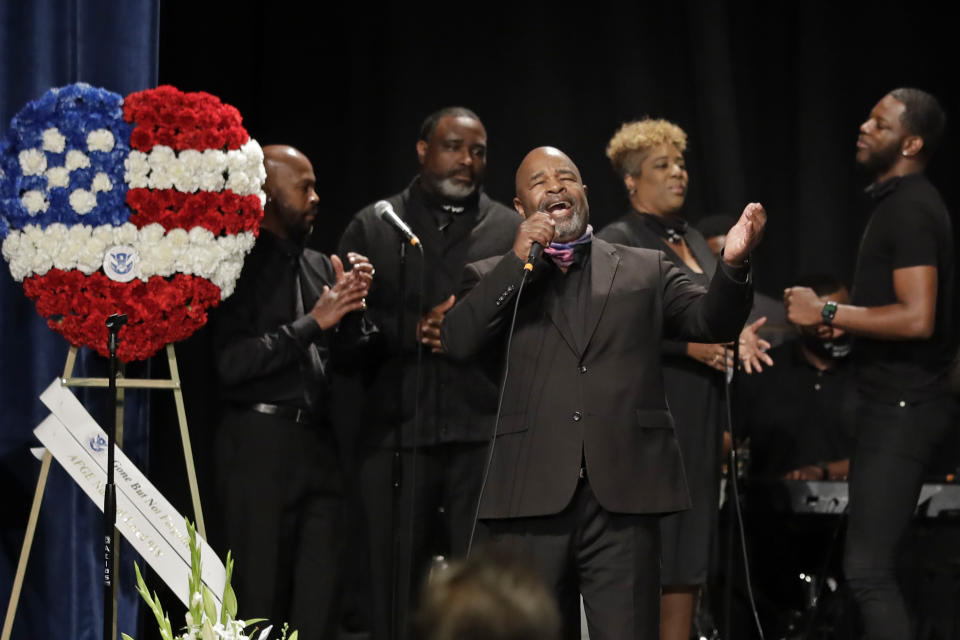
(399, 603)
(114, 323)
(385, 210)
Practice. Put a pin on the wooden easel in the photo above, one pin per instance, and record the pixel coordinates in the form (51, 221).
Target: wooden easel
(172, 383)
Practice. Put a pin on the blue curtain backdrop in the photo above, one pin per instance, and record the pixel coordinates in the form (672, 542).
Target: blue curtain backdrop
(44, 44)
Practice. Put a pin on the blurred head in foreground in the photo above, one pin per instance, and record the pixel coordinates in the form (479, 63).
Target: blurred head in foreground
(490, 596)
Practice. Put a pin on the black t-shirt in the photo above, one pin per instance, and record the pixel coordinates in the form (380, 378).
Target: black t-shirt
(909, 227)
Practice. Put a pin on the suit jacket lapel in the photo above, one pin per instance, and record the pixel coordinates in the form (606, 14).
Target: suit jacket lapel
(603, 269)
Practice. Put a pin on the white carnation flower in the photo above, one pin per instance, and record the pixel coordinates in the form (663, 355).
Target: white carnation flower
(161, 155)
(263, 198)
(200, 236)
(76, 160)
(19, 270)
(191, 159)
(35, 202)
(82, 201)
(151, 234)
(39, 263)
(33, 162)
(211, 181)
(78, 233)
(160, 176)
(137, 171)
(238, 183)
(32, 232)
(100, 140)
(101, 182)
(214, 160)
(103, 234)
(48, 243)
(90, 256)
(226, 276)
(251, 149)
(208, 258)
(247, 240)
(53, 140)
(57, 177)
(126, 233)
(229, 244)
(178, 238)
(11, 245)
(64, 256)
(159, 259)
(183, 179)
(236, 161)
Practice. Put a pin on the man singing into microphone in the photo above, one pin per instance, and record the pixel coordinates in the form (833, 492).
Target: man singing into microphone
(585, 460)
(456, 224)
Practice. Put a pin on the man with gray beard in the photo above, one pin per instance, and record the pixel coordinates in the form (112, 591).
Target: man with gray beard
(457, 224)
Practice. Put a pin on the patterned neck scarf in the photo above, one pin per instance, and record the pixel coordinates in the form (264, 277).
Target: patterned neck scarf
(562, 252)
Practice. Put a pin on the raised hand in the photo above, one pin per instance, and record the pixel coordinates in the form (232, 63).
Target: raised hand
(361, 267)
(346, 295)
(744, 236)
(753, 348)
(428, 329)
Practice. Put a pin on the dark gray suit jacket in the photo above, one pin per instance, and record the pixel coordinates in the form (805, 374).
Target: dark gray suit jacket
(604, 404)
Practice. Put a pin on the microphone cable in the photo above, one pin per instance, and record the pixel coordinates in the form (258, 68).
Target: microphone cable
(734, 484)
(527, 270)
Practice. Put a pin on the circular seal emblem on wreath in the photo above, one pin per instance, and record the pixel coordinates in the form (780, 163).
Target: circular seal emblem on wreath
(145, 205)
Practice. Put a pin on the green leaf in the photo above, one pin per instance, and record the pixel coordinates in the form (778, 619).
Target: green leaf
(229, 604)
(125, 636)
(253, 621)
(293, 636)
(209, 604)
(229, 609)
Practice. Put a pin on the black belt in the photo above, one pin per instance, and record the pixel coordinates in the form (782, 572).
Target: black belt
(300, 416)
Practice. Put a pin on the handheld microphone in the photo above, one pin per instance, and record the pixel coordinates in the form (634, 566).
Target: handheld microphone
(385, 210)
(535, 250)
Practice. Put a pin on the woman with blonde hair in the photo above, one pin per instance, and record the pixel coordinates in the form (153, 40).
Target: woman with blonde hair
(648, 156)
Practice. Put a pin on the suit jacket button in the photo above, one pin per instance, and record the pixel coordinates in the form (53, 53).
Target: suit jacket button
(577, 416)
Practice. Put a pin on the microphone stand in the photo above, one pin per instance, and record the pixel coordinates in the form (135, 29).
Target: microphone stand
(114, 323)
(396, 471)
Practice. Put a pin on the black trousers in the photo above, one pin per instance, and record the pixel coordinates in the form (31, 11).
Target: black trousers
(443, 495)
(279, 492)
(894, 447)
(612, 559)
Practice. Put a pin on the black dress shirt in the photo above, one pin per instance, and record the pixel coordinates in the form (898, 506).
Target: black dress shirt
(264, 336)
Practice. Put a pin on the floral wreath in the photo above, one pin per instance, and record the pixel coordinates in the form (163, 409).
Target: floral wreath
(145, 205)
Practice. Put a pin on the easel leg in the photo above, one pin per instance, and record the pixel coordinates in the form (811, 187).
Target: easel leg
(185, 437)
(116, 534)
(27, 544)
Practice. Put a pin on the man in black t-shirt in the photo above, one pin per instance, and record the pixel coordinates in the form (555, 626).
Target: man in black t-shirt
(902, 305)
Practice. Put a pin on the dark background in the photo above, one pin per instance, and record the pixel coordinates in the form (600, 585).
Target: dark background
(771, 95)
